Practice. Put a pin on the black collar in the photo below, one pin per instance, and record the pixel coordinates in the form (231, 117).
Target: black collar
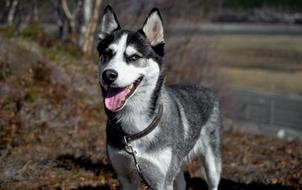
(148, 129)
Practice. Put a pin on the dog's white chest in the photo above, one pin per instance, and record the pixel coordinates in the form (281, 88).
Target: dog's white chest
(122, 161)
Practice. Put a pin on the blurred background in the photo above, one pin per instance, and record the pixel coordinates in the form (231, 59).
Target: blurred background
(52, 122)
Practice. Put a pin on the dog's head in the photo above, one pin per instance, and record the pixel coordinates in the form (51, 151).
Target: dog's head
(130, 61)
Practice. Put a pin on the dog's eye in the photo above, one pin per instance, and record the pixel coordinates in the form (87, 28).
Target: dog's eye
(107, 54)
(133, 58)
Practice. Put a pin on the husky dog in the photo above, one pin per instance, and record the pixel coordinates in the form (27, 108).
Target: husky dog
(169, 125)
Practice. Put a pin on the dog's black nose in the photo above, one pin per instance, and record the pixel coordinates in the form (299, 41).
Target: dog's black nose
(109, 76)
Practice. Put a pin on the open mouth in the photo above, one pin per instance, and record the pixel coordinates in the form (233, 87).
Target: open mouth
(116, 98)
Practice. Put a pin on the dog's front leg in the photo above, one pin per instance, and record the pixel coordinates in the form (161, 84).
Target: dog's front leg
(121, 162)
(128, 184)
(180, 182)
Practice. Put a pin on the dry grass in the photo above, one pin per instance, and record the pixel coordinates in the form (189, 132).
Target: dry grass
(277, 53)
(280, 82)
(270, 63)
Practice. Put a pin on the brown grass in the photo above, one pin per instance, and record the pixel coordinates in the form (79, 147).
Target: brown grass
(268, 63)
(257, 79)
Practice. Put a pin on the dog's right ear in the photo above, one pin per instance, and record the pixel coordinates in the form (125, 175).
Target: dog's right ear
(153, 28)
(109, 22)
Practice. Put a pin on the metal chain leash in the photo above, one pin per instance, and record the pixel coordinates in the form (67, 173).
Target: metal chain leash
(129, 149)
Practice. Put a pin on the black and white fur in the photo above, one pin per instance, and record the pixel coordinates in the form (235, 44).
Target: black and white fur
(190, 125)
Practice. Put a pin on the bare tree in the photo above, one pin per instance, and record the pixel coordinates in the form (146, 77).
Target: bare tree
(71, 17)
(82, 21)
(35, 13)
(87, 12)
(60, 19)
(32, 16)
(90, 28)
(12, 11)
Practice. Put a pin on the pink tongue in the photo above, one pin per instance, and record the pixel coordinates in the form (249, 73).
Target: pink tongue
(115, 97)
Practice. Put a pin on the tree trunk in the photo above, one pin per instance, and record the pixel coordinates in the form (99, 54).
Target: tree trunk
(91, 28)
(87, 12)
(7, 4)
(59, 19)
(35, 16)
(71, 17)
(12, 12)
(5, 11)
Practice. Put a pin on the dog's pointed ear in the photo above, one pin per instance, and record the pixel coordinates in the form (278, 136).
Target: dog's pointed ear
(153, 28)
(109, 22)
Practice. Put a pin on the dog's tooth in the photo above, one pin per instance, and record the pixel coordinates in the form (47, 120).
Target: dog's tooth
(130, 87)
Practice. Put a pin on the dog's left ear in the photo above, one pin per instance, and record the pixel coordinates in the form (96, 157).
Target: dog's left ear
(109, 22)
(153, 28)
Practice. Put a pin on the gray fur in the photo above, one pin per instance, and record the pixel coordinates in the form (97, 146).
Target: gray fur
(190, 126)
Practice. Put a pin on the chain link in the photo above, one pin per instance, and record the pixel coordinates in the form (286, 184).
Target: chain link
(129, 149)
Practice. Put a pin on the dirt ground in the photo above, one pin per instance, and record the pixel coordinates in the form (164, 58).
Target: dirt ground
(52, 135)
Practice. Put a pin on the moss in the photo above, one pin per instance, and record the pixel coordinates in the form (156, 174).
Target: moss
(73, 50)
(33, 93)
(33, 30)
(8, 32)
